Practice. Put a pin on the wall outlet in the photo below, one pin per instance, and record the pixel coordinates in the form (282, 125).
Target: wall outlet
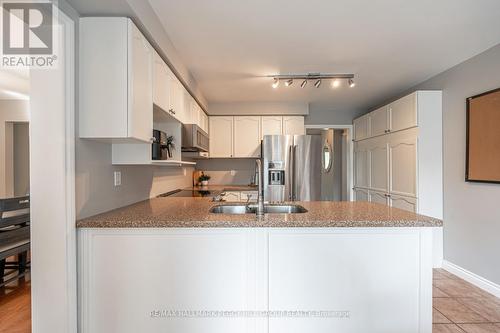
(233, 172)
(118, 178)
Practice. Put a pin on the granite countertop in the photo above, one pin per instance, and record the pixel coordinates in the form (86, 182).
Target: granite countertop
(180, 212)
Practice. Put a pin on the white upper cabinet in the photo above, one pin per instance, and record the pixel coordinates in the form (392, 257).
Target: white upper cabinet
(116, 91)
(379, 171)
(293, 125)
(271, 125)
(203, 120)
(403, 113)
(247, 136)
(221, 136)
(403, 164)
(361, 128)
(379, 121)
(161, 82)
(361, 165)
(176, 107)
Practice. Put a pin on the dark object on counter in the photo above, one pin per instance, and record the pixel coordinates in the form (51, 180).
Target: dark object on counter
(14, 236)
(162, 145)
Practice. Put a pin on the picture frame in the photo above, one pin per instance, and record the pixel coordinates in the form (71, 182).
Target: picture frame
(483, 138)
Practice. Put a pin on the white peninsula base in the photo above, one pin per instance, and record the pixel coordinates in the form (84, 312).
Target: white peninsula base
(376, 280)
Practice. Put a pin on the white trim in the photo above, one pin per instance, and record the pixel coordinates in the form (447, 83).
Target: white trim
(475, 279)
(350, 157)
(71, 263)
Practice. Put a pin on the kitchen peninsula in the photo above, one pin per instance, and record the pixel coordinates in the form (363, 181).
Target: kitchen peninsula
(159, 263)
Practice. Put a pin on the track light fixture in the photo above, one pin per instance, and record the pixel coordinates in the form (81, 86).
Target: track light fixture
(316, 77)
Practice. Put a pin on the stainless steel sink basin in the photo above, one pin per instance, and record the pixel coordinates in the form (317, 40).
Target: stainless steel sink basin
(252, 209)
(230, 209)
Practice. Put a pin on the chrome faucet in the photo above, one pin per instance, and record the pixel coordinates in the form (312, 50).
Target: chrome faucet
(260, 196)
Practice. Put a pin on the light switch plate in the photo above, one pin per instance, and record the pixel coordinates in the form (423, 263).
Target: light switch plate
(118, 178)
(233, 172)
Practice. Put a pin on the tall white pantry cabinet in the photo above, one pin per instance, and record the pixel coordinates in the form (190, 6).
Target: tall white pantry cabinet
(398, 157)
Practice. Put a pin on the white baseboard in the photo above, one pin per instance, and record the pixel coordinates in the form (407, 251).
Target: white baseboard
(475, 279)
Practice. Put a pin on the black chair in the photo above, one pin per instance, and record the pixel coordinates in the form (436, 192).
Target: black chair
(14, 236)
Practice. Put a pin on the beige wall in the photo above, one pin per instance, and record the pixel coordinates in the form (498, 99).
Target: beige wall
(10, 111)
(471, 210)
(95, 190)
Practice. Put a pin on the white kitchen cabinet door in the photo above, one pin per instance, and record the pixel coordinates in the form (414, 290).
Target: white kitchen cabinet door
(361, 194)
(405, 203)
(176, 97)
(116, 91)
(141, 84)
(361, 128)
(403, 113)
(246, 136)
(378, 197)
(193, 271)
(271, 125)
(221, 136)
(379, 168)
(379, 121)
(349, 271)
(161, 82)
(403, 164)
(362, 166)
(204, 120)
(293, 125)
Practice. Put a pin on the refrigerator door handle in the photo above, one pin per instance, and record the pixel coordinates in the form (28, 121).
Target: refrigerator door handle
(290, 173)
(293, 169)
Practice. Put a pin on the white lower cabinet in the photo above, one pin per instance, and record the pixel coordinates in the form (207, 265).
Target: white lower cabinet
(190, 276)
(378, 197)
(405, 203)
(247, 136)
(361, 194)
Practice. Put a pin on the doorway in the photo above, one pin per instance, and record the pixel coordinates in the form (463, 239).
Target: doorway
(336, 174)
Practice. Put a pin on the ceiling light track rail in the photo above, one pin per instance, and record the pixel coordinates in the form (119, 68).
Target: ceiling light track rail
(317, 77)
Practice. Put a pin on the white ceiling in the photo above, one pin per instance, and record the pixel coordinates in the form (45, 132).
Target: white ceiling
(390, 45)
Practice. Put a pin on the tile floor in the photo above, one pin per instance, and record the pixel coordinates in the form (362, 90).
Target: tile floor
(460, 307)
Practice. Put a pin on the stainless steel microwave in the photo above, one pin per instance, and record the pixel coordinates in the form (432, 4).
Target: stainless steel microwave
(194, 138)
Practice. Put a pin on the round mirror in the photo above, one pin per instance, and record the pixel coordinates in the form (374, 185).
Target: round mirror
(327, 157)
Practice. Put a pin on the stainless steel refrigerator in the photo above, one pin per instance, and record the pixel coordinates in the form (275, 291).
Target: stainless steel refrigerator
(292, 166)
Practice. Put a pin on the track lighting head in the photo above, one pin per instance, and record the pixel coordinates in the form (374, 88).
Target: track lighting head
(351, 83)
(303, 84)
(276, 83)
(335, 83)
(317, 83)
(289, 82)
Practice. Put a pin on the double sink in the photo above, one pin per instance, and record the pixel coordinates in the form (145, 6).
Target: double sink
(252, 209)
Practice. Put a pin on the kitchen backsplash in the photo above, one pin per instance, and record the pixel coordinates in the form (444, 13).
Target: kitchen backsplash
(228, 171)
